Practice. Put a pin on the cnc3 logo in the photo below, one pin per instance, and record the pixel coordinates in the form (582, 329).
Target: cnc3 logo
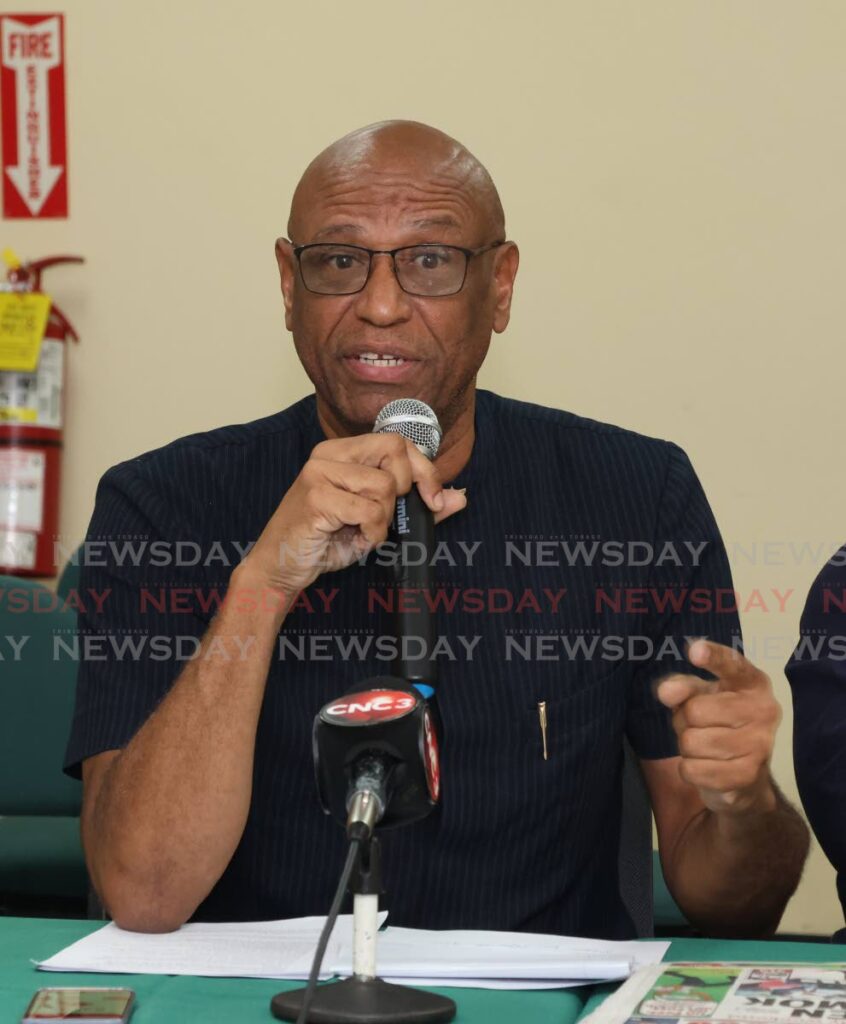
(370, 706)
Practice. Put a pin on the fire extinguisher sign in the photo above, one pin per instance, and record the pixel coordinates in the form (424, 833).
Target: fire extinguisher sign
(32, 94)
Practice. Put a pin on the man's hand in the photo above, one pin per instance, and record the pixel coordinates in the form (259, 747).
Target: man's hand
(733, 863)
(726, 729)
(340, 507)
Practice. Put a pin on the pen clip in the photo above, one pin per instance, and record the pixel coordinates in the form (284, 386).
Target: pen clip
(543, 723)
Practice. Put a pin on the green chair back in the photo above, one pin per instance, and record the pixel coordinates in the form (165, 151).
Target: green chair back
(69, 578)
(669, 920)
(36, 701)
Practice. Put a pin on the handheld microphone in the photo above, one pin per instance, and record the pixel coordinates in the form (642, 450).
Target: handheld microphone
(413, 531)
(375, 748)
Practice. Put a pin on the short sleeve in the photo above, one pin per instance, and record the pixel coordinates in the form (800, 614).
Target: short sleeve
(137, 613)
(691, 595)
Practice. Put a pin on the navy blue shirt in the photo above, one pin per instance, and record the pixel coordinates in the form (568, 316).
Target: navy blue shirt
(817, 676)
(586, 555)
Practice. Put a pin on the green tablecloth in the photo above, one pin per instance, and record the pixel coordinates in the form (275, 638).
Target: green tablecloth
(181, 1000)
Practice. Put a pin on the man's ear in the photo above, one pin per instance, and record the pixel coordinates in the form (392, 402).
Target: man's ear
(287, 274)
(505, 270)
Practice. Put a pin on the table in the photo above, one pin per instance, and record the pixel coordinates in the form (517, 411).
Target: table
(177, 1000)
(184, 1000)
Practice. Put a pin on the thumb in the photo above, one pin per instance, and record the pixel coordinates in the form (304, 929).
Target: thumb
(455, 499)
(676, 689)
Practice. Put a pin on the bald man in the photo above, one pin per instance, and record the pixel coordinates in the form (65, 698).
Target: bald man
(199, 800)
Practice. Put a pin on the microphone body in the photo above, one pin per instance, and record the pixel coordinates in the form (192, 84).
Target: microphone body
(375, 749)
(412, 533)
(412, 580)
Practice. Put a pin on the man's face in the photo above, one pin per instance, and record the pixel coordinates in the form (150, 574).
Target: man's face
(441, 340)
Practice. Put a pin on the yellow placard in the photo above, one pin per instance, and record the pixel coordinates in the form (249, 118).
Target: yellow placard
(23, 318)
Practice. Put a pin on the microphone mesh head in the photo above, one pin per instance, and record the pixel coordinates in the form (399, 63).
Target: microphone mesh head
(414, 420)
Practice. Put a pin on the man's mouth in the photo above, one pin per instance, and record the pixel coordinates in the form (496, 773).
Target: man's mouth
(382, 367)
(374, 359)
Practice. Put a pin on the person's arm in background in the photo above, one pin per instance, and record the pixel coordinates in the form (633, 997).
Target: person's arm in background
(163, 815)
(817, 676)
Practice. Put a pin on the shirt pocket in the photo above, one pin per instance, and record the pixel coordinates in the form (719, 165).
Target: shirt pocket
(497, 781)
(578, 718)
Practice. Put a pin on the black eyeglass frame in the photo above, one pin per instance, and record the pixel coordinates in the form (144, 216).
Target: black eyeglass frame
(298, 250)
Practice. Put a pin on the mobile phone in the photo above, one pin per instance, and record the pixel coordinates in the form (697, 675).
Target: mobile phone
(81, 1005)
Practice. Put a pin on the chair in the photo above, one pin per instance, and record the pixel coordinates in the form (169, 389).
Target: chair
(69, 578)
(42, 867)
(669, 920)
(634, 858)
(642, 886)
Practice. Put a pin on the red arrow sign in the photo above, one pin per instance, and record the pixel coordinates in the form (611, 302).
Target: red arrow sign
(32, 93)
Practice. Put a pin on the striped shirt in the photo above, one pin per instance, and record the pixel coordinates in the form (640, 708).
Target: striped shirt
(585, 556)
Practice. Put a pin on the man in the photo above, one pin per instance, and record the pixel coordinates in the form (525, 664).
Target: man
(199, 796)
(817, 676)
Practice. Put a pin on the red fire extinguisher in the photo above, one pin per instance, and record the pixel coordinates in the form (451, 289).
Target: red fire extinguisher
(31, 429)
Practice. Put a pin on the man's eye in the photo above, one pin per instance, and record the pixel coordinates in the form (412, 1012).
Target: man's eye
(340, 260)
(431, 260)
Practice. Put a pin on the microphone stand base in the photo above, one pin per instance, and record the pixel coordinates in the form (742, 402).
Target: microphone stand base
(365, 1001)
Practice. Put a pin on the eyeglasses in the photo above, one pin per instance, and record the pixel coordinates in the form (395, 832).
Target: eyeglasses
(330, 269)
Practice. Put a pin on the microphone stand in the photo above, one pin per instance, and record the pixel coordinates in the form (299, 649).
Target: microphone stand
(365, 998)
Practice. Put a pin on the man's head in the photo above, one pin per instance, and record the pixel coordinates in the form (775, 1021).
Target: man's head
(394, 184)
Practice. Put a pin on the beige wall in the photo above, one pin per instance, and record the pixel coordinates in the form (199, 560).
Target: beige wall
(674, 172)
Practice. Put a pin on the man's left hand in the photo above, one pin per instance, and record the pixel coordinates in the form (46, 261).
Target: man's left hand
(726, 729)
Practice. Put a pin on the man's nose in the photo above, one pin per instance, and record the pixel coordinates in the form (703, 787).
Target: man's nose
(382, 301)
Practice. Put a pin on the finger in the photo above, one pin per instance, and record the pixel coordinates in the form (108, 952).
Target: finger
(454, 501)
(676, 689)
(714, 709)
(720, 743)
(381, 451)
(733, 671)
(338, 509)
(392, 453)
(722, 776)
(427, 478)
(369, 482)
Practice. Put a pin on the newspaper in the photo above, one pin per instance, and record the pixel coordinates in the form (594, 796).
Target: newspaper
(728, 993)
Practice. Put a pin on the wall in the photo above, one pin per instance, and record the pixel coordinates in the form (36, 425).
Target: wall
(672, 170)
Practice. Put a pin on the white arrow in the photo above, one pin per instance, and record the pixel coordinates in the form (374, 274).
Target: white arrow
(34, 176)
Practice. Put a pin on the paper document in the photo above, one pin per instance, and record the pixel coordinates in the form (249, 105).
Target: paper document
(415, 952)
(284, 949)
(254, 949)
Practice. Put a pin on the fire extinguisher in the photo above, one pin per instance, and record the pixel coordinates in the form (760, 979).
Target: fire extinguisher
(31, 429)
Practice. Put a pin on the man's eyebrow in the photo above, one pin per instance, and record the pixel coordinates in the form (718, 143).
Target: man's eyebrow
(437, 222)
(444, 221)
(336, 229)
